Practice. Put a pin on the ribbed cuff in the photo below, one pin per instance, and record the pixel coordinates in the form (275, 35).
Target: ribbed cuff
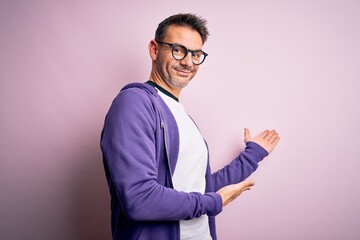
(257, 149)
(214, 201)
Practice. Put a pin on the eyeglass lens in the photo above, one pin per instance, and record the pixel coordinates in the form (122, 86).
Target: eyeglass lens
(179, 52)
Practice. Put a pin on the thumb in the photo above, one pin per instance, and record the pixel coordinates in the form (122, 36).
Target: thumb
(246, 135)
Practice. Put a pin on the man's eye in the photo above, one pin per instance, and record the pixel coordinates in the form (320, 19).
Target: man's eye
(180, 50)
(197, 54)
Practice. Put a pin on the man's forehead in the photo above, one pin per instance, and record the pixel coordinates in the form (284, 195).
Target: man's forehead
(184, 35)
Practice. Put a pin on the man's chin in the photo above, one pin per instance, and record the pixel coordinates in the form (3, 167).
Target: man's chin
(181, 82)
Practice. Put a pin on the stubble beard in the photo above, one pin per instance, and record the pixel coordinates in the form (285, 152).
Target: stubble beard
(178, 81)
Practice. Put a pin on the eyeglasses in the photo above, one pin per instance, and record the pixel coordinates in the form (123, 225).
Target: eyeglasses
(179, 52)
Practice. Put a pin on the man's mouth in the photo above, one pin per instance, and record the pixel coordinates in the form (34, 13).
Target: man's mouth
(183, 71)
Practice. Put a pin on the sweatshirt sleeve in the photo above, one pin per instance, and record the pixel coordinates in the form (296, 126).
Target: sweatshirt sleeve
(129, 150)
(241, 167)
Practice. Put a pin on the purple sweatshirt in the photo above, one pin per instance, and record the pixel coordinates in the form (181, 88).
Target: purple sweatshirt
(140, 146)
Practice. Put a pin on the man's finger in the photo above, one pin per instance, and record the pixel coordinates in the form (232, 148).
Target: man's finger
(275, 141)
(246, 183)
(264, 134)
(246, 135)
(272, 136)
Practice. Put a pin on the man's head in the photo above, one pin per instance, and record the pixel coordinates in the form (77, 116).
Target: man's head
(177, 51)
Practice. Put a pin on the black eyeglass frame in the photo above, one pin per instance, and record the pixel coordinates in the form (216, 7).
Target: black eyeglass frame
(173, 45)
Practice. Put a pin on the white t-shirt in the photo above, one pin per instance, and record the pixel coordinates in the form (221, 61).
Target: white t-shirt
(189, 175)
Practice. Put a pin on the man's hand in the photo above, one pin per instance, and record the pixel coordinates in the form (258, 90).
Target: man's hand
(231, 192)
(267, 139)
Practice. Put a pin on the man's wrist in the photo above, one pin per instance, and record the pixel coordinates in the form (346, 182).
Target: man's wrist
(256, 148)
(214, 202)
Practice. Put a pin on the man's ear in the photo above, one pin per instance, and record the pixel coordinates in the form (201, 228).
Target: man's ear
(153, 50)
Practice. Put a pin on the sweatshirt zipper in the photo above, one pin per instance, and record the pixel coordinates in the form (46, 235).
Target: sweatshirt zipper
(168, 161)
(166, 149)
(162, 125)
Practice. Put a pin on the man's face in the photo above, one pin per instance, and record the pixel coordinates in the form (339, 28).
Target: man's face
(178, 73)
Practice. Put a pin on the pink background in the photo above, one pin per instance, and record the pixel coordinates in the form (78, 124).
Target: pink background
(289, 65)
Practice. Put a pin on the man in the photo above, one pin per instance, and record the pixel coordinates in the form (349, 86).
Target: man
(155, 159)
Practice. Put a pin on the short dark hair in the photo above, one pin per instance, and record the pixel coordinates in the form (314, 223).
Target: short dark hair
(187, 20)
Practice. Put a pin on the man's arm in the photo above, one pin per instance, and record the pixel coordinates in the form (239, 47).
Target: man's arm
(229, 181)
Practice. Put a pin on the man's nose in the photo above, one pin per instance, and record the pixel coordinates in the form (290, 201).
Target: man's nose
(187, 61)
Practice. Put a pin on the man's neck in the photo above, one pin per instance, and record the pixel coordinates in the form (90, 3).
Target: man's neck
(173, 90)
(161, 89)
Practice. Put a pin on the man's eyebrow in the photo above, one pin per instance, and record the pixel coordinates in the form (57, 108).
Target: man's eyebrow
(195, 50)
